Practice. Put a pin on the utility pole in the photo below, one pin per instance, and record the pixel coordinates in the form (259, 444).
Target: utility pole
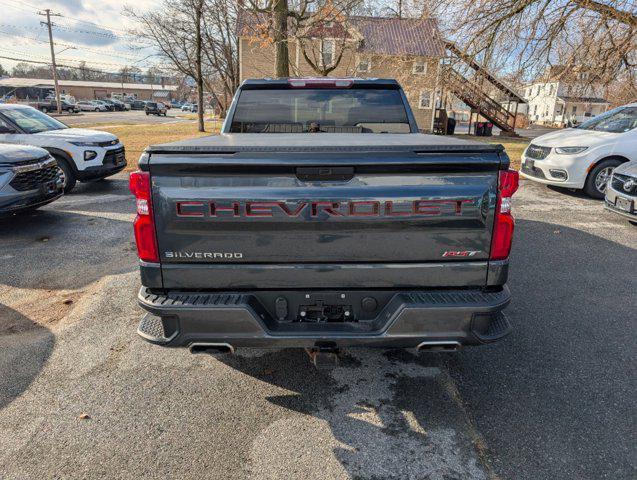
(48, 23)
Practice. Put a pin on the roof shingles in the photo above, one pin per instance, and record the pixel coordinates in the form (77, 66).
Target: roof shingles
(385, 36)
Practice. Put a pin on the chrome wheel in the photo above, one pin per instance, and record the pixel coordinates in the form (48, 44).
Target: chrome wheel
(62, 177)
(602, 178)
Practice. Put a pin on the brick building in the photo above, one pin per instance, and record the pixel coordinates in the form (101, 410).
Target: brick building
(39, 88)
(406, 49)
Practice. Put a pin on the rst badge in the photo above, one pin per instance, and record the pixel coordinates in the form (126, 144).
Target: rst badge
(460, 253)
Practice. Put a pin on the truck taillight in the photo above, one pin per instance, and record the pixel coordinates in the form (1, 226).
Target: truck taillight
(144, 225)
(504, 223)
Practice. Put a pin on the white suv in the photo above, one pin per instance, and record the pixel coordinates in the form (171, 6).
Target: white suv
(584, 157)
(82, 154)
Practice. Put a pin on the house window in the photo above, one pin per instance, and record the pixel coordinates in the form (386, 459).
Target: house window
(364, 65)
(419, 68)
(574, 109)
(425, 99)
(327, 52)
(551, 89)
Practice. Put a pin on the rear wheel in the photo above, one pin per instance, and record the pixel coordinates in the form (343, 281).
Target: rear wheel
(69, 180)
(598, 177)
(45, 110)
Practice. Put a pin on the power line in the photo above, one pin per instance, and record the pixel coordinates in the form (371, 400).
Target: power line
(105, 51)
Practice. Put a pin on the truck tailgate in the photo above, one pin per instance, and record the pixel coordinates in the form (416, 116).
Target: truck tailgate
(351, 207)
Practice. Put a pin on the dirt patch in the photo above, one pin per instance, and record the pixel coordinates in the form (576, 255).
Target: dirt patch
(35, 308)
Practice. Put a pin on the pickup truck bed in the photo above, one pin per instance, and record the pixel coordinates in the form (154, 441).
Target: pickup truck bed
(323, 240)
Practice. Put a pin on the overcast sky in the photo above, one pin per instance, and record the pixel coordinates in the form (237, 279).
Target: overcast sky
(102, 41)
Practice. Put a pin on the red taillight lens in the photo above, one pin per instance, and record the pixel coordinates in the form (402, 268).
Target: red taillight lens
(144, 225)
(504, 223)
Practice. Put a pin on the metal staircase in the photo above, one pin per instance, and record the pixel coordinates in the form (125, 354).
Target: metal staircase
(473, 91)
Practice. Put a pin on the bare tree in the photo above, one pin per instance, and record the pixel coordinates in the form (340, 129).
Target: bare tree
(531, 34)
(220, 50)
(309, 23)
(175, 30)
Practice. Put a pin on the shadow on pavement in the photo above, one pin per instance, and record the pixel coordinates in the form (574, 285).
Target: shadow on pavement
(392, 414)
(69, 245)
(24, 350)
(551, 401)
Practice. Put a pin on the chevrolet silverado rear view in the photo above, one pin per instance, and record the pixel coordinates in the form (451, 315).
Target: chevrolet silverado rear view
(321, 218)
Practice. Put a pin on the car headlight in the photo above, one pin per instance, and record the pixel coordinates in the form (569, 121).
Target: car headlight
(85, 144)
(569, 150)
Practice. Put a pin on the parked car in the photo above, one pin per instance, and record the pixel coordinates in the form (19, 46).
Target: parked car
(51, 106)
(155, 108)
(82, 154)
(621, 192)
(584, 157)
(90, 106)
(29, 178)
(189, 107)
(109, 107)
(116, 105)
(176, 104)
(138, 105)
(377, 235)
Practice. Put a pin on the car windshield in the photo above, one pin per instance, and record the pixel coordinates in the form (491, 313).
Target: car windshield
(334, 110)
(619, 120)
(33, 121)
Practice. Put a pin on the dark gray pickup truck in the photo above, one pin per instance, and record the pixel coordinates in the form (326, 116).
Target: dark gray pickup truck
(321, 218)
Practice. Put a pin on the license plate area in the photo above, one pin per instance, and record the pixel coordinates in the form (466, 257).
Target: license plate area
(624, 204)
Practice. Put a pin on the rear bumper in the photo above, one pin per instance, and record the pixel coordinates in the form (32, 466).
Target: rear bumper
(467, 317)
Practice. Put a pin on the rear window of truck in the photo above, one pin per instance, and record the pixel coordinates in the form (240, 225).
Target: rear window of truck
(334, 110)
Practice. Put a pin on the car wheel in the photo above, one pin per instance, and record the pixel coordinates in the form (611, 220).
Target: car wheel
(68, 179)
(597, 179)
(45, 110)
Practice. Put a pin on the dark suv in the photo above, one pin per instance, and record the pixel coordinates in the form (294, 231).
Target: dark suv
(29, 178)
(155, 108)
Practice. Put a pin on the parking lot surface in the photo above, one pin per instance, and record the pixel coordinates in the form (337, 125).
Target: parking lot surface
(117, 118)
(82, 396)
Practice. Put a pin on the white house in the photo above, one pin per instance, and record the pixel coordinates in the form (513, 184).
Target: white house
(562, 97)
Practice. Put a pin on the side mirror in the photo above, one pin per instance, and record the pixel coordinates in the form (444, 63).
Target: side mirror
(6, 129)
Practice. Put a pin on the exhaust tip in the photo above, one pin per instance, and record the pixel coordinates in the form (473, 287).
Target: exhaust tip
(439, 346)
(211, 348)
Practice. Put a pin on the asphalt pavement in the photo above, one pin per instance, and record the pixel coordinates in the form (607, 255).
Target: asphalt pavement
(82, 396)
(118, 118)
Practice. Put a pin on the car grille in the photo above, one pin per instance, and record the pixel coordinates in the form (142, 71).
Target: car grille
(533, 171)
(34, 179)
(537, 153)
(624, 184)
(110, 143)
(112, 156)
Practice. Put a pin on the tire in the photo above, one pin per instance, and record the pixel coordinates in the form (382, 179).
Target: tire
(69, 176)
(595, 185)
(97, 109)
(45, 110)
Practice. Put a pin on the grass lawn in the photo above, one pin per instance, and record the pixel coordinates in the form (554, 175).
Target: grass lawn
(137, 137)
(513, 146)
